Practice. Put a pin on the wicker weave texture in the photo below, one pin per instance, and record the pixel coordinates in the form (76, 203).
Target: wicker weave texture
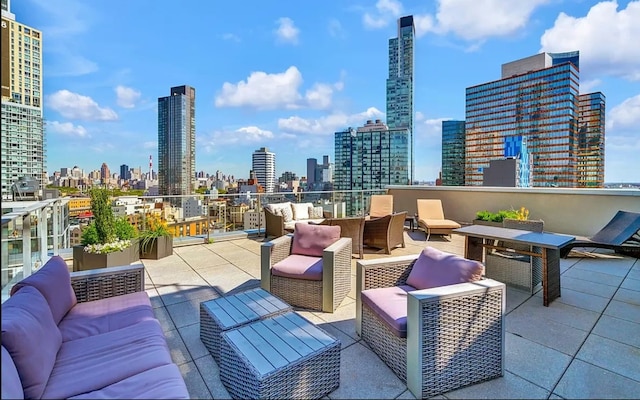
(387, 274)
(274, 224)
(353, 228)
(524, 273)
(391, 349)
(385, 232)
(107, 282)
(462, 341)
(298, 292)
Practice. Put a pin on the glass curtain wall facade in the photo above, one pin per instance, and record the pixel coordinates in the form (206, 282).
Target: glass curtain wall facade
(369, 158)
(176, 141)
(263, 163)
(591, 129)
(400, 85)
(23, 134)
(453, 153)
(540, 105)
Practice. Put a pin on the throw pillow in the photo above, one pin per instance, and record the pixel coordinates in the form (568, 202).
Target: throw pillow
(311, 240)
(316, 212)
(435, 268)
(31, 337)
(300, 211)
(287, 214)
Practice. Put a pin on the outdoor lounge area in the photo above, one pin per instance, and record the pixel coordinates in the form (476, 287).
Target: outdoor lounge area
(584, 345)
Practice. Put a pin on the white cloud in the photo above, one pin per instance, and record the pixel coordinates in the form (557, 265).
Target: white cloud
(607, 39)
(335, 28)
(625, 114)
(287, 31)
(75, 106)
(245, 135)
(327, 125)
(588, 85)
(152, 144)
(386, 11)
(127, 96)
(231, 37)
(67, 128)
(423, 23)
(280, 90)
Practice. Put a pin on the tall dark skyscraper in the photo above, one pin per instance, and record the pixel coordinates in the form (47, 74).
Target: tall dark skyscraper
(400, 84)
(177, 141)
(452, 153)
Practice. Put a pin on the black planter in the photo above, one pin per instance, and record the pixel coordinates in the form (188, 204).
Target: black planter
(83, 260)
(158, 248)
(488, 223)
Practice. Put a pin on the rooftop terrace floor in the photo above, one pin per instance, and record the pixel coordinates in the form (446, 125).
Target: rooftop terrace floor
(586, 344)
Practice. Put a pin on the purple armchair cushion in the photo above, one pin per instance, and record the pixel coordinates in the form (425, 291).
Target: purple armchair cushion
(95, 362)
(390, 304)
(311, 239)
(54, 282)
(31, 337)
(435, 268)
(11, 385)
(299, 267)
(105, 315)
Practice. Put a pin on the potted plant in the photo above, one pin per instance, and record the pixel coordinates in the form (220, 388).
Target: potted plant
(521, 221)
(156, 241)
(107, 241)
(485, 217)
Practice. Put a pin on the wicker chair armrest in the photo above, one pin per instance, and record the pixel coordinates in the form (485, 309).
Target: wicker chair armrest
(271, 253)
(336, 273)
(102, 283)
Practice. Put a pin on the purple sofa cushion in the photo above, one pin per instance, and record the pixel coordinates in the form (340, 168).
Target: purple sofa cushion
(31, 337)
(299, 267)
(95, 362)
(105, 315)
(435, 268)
(390, 304)
(54, 282)
(163, 382)
(11, 385)
(311, 240)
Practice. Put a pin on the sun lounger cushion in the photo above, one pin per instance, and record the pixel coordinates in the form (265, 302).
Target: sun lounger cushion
(31, 337)
(311, 240)
(390, 304)
(299, 267)
(105, 315)
(54, 282)
(11, 385)
(435, 268)
(106, 359)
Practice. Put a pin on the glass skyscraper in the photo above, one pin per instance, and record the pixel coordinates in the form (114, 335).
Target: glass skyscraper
(23, 136)
(534, 107)
(452, 153)
(176, 141)
(591, 140)
(400, 85)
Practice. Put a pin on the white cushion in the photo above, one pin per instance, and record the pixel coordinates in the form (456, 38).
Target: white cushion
(287, 213)
(316, 212)
(276, 208)
(301, 210)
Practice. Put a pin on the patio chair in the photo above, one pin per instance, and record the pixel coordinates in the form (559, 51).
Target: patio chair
(352, 227)
(380, 205)
(439, 338)
(310, 268)
(385, 232)
(431, 218)
(621, 233)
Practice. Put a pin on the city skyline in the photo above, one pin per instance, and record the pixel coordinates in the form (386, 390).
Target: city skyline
(287, 78)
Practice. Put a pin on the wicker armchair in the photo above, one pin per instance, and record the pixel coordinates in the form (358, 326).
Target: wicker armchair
(274, 224)
(325, 294)
(353, 228)
(385, 232)
(455, 333)
(97, 284)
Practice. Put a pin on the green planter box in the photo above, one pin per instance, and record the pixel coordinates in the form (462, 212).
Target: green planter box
(161, 247)
(83, 261)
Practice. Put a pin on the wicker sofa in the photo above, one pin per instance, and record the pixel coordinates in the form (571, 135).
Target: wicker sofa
(453, 334)
(281, 218)
(89, 334)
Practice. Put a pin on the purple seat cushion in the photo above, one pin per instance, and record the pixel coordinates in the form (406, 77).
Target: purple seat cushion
(105, 315)
(311, 240)
(11, 385)
(299, 267)
(54, 282)
(31, 337)
(435, 268)
(390, 304)
(163, 382)
(95, 362)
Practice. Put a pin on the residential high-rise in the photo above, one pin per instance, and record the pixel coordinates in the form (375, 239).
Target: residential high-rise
(263, 163)
(452, 153)
(532, 109)
(400, 85)
(125, 173)
(312, 168)
(23, 141)
(369, 158)
(105, 174)
(591, 140)
(177, 141)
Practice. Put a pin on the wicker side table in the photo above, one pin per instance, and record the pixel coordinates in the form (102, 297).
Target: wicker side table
(224, 313)
(280, 357)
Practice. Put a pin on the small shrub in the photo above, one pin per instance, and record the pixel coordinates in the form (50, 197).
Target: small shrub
(124, 230)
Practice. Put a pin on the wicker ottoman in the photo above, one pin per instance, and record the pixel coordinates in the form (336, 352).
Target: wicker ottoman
(224, 313)
(280, 357)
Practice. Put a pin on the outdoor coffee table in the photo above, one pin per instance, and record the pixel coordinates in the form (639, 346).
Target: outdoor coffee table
(285, 356)
(224, 313)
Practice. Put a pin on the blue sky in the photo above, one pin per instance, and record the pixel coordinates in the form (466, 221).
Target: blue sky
(278, 74)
